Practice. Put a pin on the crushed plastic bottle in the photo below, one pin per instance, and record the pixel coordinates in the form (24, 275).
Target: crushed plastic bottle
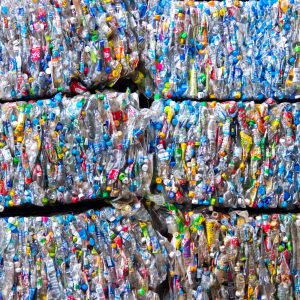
(107, 254)
(222, 49)
(232, 154)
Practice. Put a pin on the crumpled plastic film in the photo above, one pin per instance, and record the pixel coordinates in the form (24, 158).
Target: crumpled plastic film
(46, 45)
(68, 149)
(232, 256)
(222, 49)
(232, 154)
(106, 254)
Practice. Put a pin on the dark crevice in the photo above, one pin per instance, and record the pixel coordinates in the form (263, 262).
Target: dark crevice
(145, 102)
(123, 84)
(29, 210)
(207, 99)
(250, 210)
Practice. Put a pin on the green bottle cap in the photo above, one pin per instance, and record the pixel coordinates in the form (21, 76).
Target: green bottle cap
(16, 160)
(45, 200)
(183, 35)
(156, 97)
(141, 292)
(95, 38)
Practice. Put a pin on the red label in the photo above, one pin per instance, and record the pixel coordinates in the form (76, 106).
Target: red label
(113, 174)
(77, 88)
(36, 53)
(234, 242)
(106, 53)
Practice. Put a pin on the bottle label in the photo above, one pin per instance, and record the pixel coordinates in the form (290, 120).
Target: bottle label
(6, 154)
(296, 75)
(106, 53)
(158, 199)
(109, 262)
(36, 54)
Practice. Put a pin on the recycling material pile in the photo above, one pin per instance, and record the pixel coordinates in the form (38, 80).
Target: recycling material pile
(233, 256)
(156, 169)
(67, 149)
(115, 253)
(107, 254)
(218, 49)
(222, 49)
(46, 45)
(232, 154)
